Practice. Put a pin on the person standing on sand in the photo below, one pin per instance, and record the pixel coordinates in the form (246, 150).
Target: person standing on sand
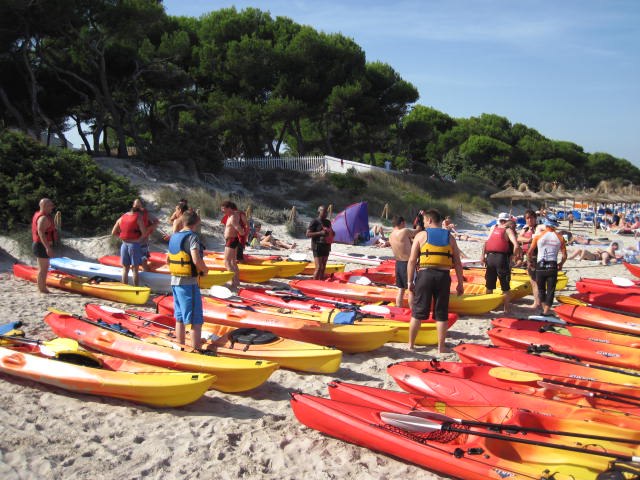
(321, 234)
(150, 223)
(496, 256)
(433, 253)
(232, 233)
(131, 230)
(548, 244)
(525, 238)
(400, 240)
(186, 265)
(43, 236)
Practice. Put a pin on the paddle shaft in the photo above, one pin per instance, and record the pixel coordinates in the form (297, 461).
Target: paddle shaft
(448, 427)
(597, 392)
(517, 428)
(535, 350)
(579, 303)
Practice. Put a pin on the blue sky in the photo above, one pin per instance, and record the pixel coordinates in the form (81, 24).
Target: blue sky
(568, 68)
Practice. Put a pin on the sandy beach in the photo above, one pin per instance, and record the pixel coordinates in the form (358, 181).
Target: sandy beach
(50, 433)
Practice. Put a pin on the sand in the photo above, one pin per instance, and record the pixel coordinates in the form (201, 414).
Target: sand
(50, 433)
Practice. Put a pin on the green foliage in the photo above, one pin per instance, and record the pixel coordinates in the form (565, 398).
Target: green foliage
(348, 182)
(89, 198)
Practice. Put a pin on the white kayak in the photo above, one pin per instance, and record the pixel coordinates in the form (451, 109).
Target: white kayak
(360, 258)
(157, 282)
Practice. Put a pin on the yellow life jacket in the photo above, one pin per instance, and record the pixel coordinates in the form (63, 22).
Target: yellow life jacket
(436, 251)
(179, 259)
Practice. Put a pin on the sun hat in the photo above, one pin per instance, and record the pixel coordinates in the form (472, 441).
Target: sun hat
(550, 221)
(503, 216)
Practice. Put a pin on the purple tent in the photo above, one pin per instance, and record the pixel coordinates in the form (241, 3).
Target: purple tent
(352, 224)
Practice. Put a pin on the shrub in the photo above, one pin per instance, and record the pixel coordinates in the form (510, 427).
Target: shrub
(349, 182)
(89, 198)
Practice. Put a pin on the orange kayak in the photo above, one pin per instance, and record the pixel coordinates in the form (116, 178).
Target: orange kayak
(105, 289)
(227, 341)
(233, 374)
(348, 338)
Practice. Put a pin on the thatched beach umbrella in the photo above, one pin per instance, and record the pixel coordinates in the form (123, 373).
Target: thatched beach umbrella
(508, 193)
(528, 194)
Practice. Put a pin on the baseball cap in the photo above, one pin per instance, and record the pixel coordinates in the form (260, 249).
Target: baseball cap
(503, 216)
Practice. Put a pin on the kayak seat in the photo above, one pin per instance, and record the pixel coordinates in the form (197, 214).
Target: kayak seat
(251, 336)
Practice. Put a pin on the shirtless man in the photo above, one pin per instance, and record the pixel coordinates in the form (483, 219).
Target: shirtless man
(401, 239)
(232, 231)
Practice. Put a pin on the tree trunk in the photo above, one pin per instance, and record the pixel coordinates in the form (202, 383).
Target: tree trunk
(15, 113)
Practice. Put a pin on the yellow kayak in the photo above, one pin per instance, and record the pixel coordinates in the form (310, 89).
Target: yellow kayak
(329, 268)
(285, 267)
(55, 363)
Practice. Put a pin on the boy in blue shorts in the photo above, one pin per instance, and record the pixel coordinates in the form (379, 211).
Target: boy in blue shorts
(186, 265)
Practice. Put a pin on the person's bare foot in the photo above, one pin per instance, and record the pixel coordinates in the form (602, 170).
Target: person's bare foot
(44, 291)
(444, 350)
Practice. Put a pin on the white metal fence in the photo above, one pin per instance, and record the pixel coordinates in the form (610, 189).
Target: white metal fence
(316, 165)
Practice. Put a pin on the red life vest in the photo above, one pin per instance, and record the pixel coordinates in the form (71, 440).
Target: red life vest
(497, 241)
(50, 233)
(129, 230)
(527, 234)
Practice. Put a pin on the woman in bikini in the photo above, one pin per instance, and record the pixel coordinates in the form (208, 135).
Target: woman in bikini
(603, 256)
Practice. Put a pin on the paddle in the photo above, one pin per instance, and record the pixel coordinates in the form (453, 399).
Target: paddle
(295, 294)
(109, 309)
(622, 282)
(65, 349)
(536, 349)
(513, 375)
(514, 428)
(575, 301)
(413, 423)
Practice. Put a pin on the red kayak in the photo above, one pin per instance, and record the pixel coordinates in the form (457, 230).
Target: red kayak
(424, 378)
(577, 392)
(597, 318)
(627, 303)
(592, 334)
(604, 285)
(298, 301)
(518, 359)
(585, 350)
(633, 269)
(444, 447)
(514, 422)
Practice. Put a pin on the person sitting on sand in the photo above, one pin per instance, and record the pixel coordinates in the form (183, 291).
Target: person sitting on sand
(377, 237)
(267, 240)
(448, 224)
(603, 256)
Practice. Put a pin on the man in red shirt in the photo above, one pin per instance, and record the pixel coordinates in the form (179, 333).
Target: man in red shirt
(131, 230)
(43, 235)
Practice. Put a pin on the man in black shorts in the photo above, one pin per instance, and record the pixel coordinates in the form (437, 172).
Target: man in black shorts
(400, 240)
(321, 235)
(433, 253)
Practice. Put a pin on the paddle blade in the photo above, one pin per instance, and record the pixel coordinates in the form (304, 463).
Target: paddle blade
(622, 282)
(513, 375)
(220, 291)
(109, 309)
(440, 417)
(375, 309)
(359, 280)
(408, 422)
(571, 301)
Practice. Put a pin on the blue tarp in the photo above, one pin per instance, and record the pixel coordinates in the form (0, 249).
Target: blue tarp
(352, 224)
